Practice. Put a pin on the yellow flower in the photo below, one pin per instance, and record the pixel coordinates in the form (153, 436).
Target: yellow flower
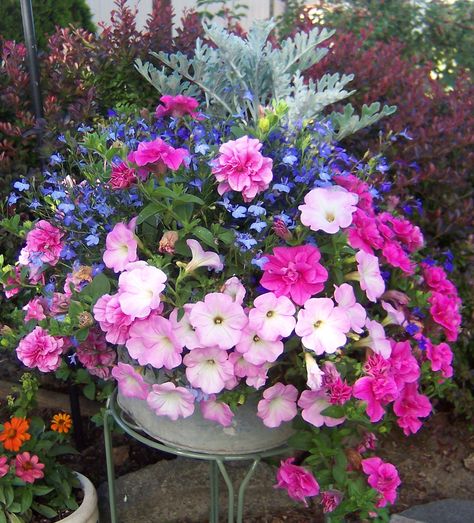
(61, 423)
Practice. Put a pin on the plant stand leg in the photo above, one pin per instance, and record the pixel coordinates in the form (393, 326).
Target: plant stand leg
(230, 490)
(214, 481)
(243, 486)
(110, 466)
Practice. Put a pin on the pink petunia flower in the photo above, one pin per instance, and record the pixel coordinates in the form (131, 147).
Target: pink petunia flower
(330, 500)
(314, 373)
(35, 309)
(4, 468)
(201, 258)
(169, 400)
(328, 209)
(112, 320)
(312, 403)
(130, 383)
(121, 246)
(257, 350)
(410, 406)
(152, 341)
(441, 358)
(177, 106)
(28, 467)
(122, 176)
(183, 329)
(272, 316)
(355, 185)
(139, 290)
(158, 155)
(241, 167)
(376, 340)
(96, 356)
(371, 280)
(345, 298)
(234, 288)
(217, 411)
(394, 316)
(218, 321)
(383, 477)
(40, 350)
(44, 241)
(322, 326)
(297, 481)
(208, 369)
(278, 405)
(294, 272)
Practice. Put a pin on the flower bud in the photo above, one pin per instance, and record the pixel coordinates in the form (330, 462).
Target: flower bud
(167, 242)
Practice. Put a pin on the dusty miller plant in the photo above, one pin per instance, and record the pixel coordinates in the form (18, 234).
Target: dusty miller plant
(239, 75)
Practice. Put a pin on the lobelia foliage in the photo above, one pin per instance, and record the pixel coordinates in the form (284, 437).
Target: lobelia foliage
(237, 257)
(238, 75)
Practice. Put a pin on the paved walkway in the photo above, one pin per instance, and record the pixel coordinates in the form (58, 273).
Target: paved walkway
(177, 491)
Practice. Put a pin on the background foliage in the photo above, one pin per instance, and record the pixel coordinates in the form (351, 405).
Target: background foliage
(48, 14)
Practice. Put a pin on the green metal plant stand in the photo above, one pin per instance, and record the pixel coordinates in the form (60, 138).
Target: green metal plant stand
(216, 465)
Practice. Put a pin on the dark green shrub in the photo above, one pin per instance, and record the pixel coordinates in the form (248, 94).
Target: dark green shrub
(48, 14)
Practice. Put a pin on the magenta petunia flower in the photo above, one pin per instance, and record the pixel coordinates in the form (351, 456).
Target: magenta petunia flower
(445, 312)
(330, 500)
(312, 403)
(122, 176)
(28, 467)
(322, 326)
(396, 257)
(377, 391)
(241, 167)
(383, 477)
(328, 209)
(441, 358)
(153, 341)
(404, 366)
(35, 309)
(44, 241)
(278, 405)
(40, 350)
(158, 155)
(169, 400)
(177, 106)
(121, 246)
(297, 481)
(4, 468)
(371, 280)
(209, 369)
(130, 383)
(218, 321)
(294, 272)
(139, 290)
(272, 316)
(217, 411)
(410, 406)
(96, 355)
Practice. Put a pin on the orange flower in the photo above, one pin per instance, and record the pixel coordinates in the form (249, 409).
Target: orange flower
(14, 434)
(61, 423)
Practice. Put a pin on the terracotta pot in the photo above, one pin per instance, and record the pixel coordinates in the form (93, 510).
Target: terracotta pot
(88, 511)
